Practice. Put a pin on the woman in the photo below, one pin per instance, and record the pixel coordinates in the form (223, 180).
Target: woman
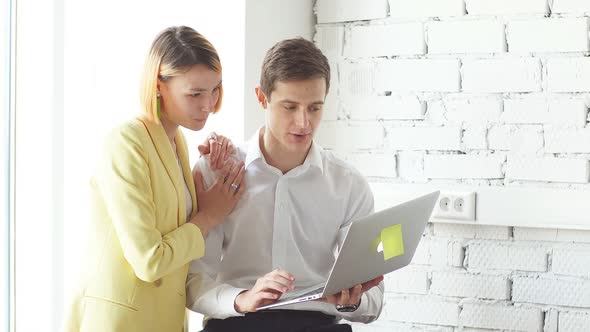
(145, 225)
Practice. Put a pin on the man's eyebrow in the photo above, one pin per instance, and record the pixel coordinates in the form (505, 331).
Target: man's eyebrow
(288, 101)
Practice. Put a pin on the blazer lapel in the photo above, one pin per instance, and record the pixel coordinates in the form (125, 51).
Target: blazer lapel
(168, 158)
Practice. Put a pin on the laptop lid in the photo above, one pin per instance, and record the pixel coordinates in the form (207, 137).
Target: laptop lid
(367, 251)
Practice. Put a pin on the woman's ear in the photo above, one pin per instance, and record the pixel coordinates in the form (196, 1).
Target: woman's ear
(261, 97)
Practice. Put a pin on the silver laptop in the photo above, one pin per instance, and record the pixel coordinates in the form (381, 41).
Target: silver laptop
(374, 246)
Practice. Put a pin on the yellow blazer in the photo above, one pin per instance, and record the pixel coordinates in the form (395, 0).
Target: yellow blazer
(139, 245)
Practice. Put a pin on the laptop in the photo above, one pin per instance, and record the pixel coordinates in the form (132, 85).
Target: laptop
(374, 246)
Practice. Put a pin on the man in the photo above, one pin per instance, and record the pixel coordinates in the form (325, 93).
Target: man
(298, 201)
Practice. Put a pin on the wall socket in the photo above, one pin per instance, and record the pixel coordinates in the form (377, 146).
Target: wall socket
(455, 205)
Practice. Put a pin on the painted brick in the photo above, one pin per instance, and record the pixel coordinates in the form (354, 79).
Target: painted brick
(472, 231)
(503, 256)
(475, 137)
(538, 110)
(421, 310)
(556, 291)
(425, 75)
(332, 136)
(520, 140)
(470, 285)
(534, 234)
(357, 78)
(570, 235)
(505, 317)
(574, 261)
(330, 40)
(547, 35)
(329, 11)
(570, 6)
(426, 8)
(454, 230)
(424, 138)
(551, 321)
(374, 164)
(506, 7)
(384, 107)
(567, 140)
(463, 167)
(493, 232)
(568, 74)
(386, 40)
(473, 111)
(410, 166)
(502, 75)
(385, 326)
(408, 280)
(548, 169)
(439, 252)
(481, 36)
(572, 321)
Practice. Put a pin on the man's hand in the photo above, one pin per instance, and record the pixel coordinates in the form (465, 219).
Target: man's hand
(352, 295)
(219, 147)
(268, 289)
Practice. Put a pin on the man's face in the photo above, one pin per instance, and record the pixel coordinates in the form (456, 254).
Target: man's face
(294, 111)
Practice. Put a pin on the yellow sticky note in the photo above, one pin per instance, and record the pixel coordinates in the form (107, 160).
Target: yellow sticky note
(392, 240)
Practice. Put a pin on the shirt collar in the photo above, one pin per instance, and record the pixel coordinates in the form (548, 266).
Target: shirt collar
(314, 156)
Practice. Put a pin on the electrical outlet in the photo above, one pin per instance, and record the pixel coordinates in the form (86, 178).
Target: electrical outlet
(455, 205)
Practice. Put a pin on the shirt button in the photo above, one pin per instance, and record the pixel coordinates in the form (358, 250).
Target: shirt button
(158, 282)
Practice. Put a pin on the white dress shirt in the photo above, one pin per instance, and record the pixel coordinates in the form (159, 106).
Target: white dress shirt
(294, 221)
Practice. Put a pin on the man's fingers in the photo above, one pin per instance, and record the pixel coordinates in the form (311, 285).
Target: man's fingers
(344, 297)
(283, 273)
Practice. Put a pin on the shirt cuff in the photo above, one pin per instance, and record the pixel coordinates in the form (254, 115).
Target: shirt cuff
(227, 298)
(363, 307)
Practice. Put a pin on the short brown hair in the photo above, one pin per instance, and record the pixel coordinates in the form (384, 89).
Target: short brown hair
(174, 51)
(292, 60)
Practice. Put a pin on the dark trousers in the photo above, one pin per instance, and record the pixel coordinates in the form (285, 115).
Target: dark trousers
(278, 321)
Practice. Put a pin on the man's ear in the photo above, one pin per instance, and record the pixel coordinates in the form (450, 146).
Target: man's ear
(261, 97)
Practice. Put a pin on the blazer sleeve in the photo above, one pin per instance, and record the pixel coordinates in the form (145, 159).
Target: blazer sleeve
(124, 182)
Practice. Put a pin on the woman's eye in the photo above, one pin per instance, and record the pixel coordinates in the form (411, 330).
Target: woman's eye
(195, 94)
(290, 108)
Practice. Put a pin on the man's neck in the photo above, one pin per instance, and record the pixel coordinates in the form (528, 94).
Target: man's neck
(278, 157)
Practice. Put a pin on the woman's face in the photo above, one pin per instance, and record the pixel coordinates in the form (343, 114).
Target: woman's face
(189, 98)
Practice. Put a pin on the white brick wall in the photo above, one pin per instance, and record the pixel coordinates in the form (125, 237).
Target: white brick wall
(506, 7)
(494, 316)
(469, 92)
(570, 292)
(547, 35)
(574, 321)
(571, 6)
(448, 37)
(502, 75)
(385, 40)
(506, 256)
(426, 8)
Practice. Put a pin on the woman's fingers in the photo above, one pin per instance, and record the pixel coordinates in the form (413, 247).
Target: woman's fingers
(230, 184)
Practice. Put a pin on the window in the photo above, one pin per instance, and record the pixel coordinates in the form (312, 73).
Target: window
(6, 114)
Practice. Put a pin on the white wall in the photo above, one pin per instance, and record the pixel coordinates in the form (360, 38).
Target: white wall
(267, 22)
(490, 96)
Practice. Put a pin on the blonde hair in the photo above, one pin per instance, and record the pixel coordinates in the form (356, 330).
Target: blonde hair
(174, 51)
